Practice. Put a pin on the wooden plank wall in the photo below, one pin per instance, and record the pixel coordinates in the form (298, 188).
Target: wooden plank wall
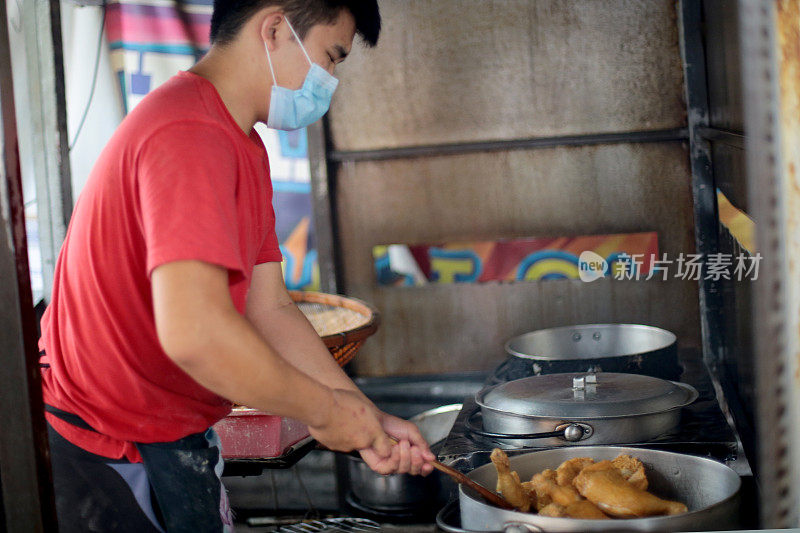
(451, 71)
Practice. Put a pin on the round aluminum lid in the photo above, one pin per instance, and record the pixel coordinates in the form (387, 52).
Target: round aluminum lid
(581, 395)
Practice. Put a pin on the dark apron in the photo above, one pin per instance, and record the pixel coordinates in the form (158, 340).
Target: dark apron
(182, 478)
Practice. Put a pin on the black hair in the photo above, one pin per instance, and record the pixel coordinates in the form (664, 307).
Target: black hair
(230, 15)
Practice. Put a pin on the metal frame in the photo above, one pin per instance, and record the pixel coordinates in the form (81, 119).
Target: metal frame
(703, 189)
(28, 499)
(44, 134)
(731, 138)
(676, 134)
(706, 217)
(323, 192)
(770, 35)
(63, 178)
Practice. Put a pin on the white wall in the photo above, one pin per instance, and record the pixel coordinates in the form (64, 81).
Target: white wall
(80, 29)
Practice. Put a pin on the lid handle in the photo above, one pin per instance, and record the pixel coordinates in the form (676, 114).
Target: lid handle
(584, 387)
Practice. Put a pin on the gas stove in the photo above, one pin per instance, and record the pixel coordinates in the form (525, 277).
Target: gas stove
(703, 430)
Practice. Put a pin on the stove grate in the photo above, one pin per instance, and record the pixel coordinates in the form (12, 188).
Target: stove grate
(331, 525)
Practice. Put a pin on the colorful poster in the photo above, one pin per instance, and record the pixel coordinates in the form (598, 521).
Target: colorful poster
(529, 259)
(150, 41)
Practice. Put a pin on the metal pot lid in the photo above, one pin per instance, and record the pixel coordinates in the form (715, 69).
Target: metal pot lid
(582, 395)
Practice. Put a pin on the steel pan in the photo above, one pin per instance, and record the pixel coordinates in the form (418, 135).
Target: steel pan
(404, 492)
(709, 489)
(626, 348)
(622, 409)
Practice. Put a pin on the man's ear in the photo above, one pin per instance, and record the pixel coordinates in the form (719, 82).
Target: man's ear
(269, 29)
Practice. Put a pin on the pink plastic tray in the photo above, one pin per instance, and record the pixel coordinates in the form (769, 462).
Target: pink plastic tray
(251, 434)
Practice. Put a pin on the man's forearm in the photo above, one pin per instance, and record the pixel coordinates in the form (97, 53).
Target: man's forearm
(234, 361)
(288, 331)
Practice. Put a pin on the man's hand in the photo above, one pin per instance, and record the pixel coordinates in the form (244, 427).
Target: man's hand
(411, 454)
(285, 328)
(353, 423)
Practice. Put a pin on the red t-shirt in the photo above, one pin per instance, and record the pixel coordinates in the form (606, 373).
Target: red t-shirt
(178, 180)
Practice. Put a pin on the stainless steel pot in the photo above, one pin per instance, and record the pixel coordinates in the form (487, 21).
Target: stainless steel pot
(401, 493)
(404, 492)
(564, 409)
(710, 490)
(627, 348)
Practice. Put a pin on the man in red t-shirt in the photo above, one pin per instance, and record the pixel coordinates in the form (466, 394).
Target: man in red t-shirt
(168, 299)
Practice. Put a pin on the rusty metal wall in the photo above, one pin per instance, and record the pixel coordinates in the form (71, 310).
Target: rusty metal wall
(453, 71)
(771, 66)
(551, 192)
(463, 70)
(787, 389)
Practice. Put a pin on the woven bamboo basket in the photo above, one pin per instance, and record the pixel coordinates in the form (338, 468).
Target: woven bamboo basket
(342, 323)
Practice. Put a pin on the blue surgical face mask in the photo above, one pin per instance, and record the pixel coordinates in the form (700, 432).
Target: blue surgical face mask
(294, 109)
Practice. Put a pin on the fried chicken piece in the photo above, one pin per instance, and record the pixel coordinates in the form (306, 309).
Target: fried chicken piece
(539, 501)
(541, 497)
(632, 470)
(586, 510)
(583, 509)
(533, 498)
(570, 468)
(553, 509)
(548, 491)
(508, 482)
(604, 485)
(530, 485)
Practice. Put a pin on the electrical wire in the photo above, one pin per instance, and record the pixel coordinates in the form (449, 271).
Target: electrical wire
(94, 78)
(312, 511)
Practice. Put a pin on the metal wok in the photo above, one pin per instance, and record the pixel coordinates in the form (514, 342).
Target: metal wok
(709, 488)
